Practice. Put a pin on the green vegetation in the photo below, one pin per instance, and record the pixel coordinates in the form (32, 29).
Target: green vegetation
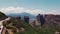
(6, 32)
(14, 30)
(28, 29)
(8, 27)
(33, 30)
(2, 15)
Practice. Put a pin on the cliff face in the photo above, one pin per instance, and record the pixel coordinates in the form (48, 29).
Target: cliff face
(51, 19)
(48, 20)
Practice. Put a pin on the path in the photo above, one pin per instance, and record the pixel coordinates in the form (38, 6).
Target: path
(1, 25)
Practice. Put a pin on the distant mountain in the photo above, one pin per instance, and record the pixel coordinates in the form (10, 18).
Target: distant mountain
(22, 15)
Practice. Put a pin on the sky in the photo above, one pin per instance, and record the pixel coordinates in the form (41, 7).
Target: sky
(30, 6)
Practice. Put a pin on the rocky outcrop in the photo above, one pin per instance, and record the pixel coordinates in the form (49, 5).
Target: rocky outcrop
(51, 19)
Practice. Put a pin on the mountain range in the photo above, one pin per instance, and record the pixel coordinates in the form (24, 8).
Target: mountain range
(22, 15)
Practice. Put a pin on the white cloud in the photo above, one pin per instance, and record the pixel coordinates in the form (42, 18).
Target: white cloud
(12, 10)
(19, 10)
(36, 11)
(8, 10)
(52, 12)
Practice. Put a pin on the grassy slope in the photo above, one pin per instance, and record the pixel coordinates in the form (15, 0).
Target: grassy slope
(2, 15)
(33, 30)
(28, 28)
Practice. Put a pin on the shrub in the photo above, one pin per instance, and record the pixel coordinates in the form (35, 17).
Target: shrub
(8, 27)
(6, 32)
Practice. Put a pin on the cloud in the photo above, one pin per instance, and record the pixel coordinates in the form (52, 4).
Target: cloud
(52, 12)
(36, 11)
(8, 10)
(12, 9)
(19, 10)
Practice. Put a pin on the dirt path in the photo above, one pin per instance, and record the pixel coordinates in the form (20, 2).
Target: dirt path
(1, 25)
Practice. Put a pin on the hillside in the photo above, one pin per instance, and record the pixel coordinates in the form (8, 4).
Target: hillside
(2, 15)
(21, 27)
(16, 26)
(22, 15)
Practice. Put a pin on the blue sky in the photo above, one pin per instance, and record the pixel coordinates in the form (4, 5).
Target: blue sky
(42, 5)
